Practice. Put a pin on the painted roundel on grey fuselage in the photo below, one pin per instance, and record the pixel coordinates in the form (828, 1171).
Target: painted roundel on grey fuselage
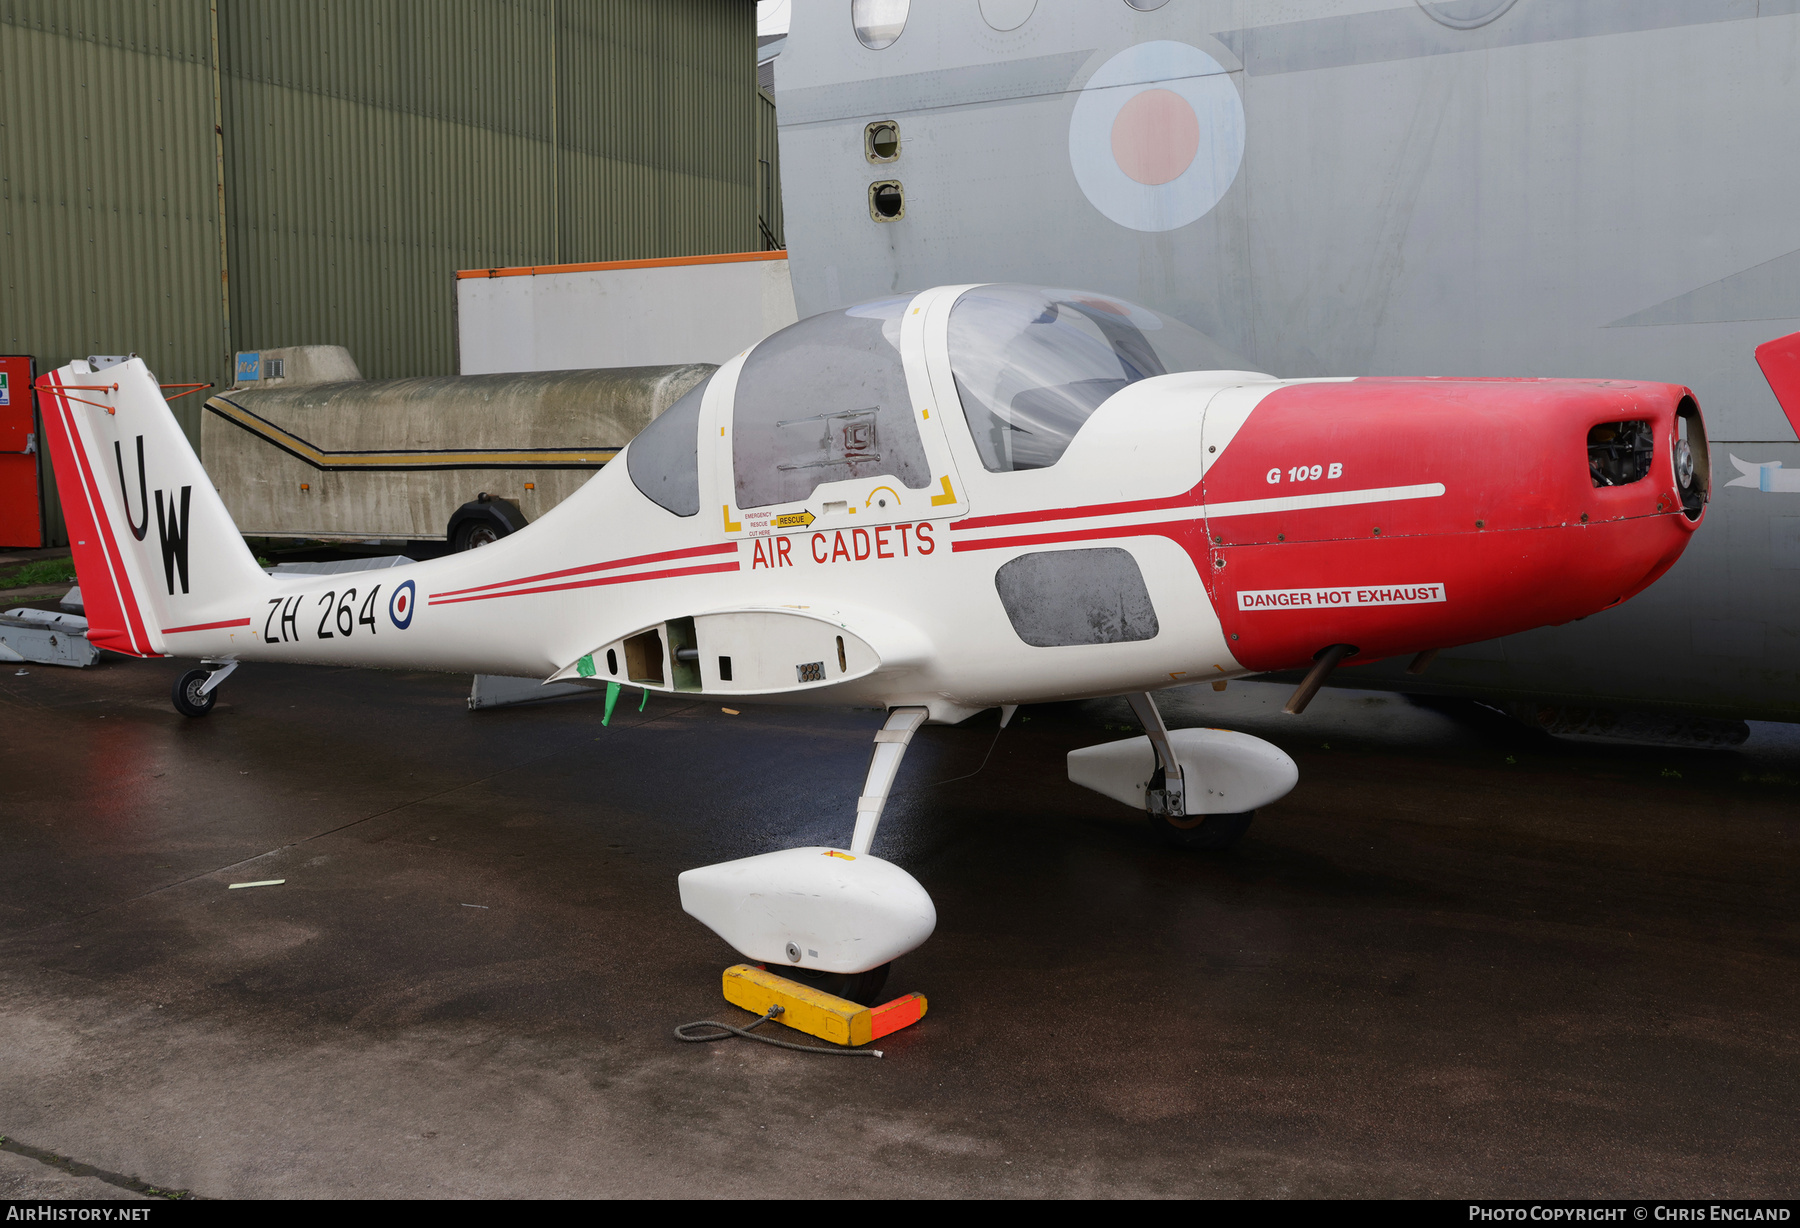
(1060, 598)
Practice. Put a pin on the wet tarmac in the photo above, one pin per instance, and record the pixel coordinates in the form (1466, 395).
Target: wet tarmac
(1459, 960)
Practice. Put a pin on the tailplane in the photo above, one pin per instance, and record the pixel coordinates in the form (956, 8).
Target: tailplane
(155, 550)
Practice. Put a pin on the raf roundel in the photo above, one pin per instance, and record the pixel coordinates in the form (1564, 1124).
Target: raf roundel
(1157, 136)
(400, 605)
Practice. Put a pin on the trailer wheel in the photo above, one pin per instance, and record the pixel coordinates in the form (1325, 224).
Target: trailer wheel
(187, 697)
(482, 522)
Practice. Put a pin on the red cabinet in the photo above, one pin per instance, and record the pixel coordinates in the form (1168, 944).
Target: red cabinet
(21, 507)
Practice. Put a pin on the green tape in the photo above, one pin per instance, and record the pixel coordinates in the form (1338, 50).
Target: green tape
(612, 697)
(585, 666)
(643, 701)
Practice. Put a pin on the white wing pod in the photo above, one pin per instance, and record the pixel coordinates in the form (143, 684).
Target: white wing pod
(834, 911)
(1223, 772)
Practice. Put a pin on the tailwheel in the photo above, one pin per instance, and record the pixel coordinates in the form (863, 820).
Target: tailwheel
(189, 698)
(1202, 831)
(862, 988)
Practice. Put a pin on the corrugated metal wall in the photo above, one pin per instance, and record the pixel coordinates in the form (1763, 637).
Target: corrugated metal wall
(108, 192)
(370, 149)
(376, 146)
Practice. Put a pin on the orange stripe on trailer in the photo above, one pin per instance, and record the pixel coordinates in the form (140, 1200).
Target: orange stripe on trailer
(601, 266)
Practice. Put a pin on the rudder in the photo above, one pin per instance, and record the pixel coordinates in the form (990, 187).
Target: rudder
(155, 550)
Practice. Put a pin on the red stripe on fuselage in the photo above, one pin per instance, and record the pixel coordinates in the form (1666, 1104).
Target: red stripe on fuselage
(665, 556)
(236, 622)
(1190, 499)
(595, 583)
(1168, 529)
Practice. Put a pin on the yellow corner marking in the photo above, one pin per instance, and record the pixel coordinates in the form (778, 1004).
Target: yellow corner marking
(731, 526)
(889, 489)
(794, 520)
(949, 495)
(925, 412)
(840, 856)
(1176, 674)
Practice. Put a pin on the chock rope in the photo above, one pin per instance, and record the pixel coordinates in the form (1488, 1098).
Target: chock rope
(726, 1030)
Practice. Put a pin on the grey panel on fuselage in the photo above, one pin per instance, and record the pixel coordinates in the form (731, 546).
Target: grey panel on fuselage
(1060, 598)
(1578, 188)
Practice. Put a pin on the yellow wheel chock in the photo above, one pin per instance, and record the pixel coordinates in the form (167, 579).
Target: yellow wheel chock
(826, 1016)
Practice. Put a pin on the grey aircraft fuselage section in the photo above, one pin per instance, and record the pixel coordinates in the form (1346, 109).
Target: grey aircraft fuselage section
(1375, 187)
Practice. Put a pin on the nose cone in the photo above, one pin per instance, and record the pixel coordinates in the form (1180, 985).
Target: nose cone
(1398, 515)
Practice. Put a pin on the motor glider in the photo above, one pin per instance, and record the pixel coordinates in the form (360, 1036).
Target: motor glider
(940, 503)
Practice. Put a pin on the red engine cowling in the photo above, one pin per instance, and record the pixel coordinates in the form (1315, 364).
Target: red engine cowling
(1398, 515)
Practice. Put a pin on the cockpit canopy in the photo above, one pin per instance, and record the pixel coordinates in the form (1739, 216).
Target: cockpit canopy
(827, 400)
(1032, 364)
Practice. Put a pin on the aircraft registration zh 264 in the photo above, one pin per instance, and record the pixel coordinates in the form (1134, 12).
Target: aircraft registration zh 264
(972, 497)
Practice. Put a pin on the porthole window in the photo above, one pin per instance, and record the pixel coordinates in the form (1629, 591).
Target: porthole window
(881, 141)
(887, 201)
(1146, 6)
(878, 22)
(1007, 14)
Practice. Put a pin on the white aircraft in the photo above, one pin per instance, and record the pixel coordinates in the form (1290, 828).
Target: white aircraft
(972, 497)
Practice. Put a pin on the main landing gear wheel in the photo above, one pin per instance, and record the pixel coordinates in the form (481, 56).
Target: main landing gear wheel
(862, 988)
(1202, 831)
(187, 696)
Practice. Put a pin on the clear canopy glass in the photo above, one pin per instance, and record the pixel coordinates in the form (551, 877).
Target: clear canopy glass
(1032, 364)
(825, 400)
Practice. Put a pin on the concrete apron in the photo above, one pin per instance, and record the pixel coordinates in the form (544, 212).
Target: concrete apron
(1458, 960)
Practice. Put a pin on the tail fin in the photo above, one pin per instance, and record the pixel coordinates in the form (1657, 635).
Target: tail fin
(155, 550)
(1780, 362)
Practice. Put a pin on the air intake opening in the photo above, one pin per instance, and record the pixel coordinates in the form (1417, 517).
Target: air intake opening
(1693, 462)
(1619, 453)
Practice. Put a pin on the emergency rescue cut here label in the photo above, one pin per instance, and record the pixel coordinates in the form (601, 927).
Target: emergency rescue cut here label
(1340, 598)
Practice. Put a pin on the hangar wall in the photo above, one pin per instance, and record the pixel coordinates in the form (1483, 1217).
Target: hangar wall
(365, 150)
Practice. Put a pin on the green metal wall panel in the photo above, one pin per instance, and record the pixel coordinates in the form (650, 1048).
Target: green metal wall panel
(108, 192)
(370, 148)
(373, 147)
